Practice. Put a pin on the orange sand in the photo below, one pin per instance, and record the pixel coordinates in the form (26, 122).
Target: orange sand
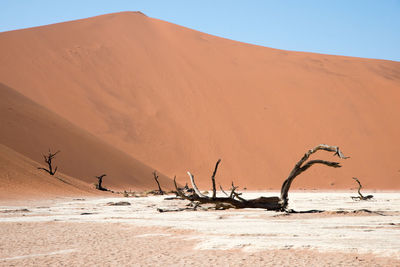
(31, 130)
(177, 100)
(20, 179)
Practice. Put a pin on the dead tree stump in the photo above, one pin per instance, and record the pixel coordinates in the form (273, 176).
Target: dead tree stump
(99, 182)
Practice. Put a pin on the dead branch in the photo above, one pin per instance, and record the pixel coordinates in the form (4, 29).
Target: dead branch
(99, 182)
(270, 203)
(196, 190)
(213, 179)
(222, 190)
(48, 159)
(299, 168)
(160, 191)
(232, 194)
(361, 197)
(179, 190)
(191, 207)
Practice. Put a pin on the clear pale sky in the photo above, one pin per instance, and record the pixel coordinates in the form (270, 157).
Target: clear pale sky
(360, 28)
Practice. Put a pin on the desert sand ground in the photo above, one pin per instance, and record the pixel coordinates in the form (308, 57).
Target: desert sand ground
(88, 231)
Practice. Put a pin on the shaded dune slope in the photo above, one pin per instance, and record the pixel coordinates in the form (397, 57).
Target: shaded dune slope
(31, 130)
(178, 99)
(20, 179)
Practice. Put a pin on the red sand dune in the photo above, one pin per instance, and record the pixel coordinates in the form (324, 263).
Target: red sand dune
(20, 179)
(31, 130)
(178, 99)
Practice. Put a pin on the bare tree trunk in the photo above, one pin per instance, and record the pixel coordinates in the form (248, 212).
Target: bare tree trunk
(161, 192)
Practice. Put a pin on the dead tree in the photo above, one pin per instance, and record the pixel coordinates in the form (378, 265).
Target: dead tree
(99, 182)
(235, 200)
(160, 191)
(361, 197)
(48, 160)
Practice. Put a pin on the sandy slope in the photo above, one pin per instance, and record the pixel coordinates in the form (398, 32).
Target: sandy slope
(31, 130)
(179, 99)
(20, 179)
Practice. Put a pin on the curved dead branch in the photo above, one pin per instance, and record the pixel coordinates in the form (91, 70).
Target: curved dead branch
(301, 166)
(269, 203)
(361, 197)
(196, 190)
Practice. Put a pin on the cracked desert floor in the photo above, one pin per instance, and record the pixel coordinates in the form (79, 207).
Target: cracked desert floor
(90, 231)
